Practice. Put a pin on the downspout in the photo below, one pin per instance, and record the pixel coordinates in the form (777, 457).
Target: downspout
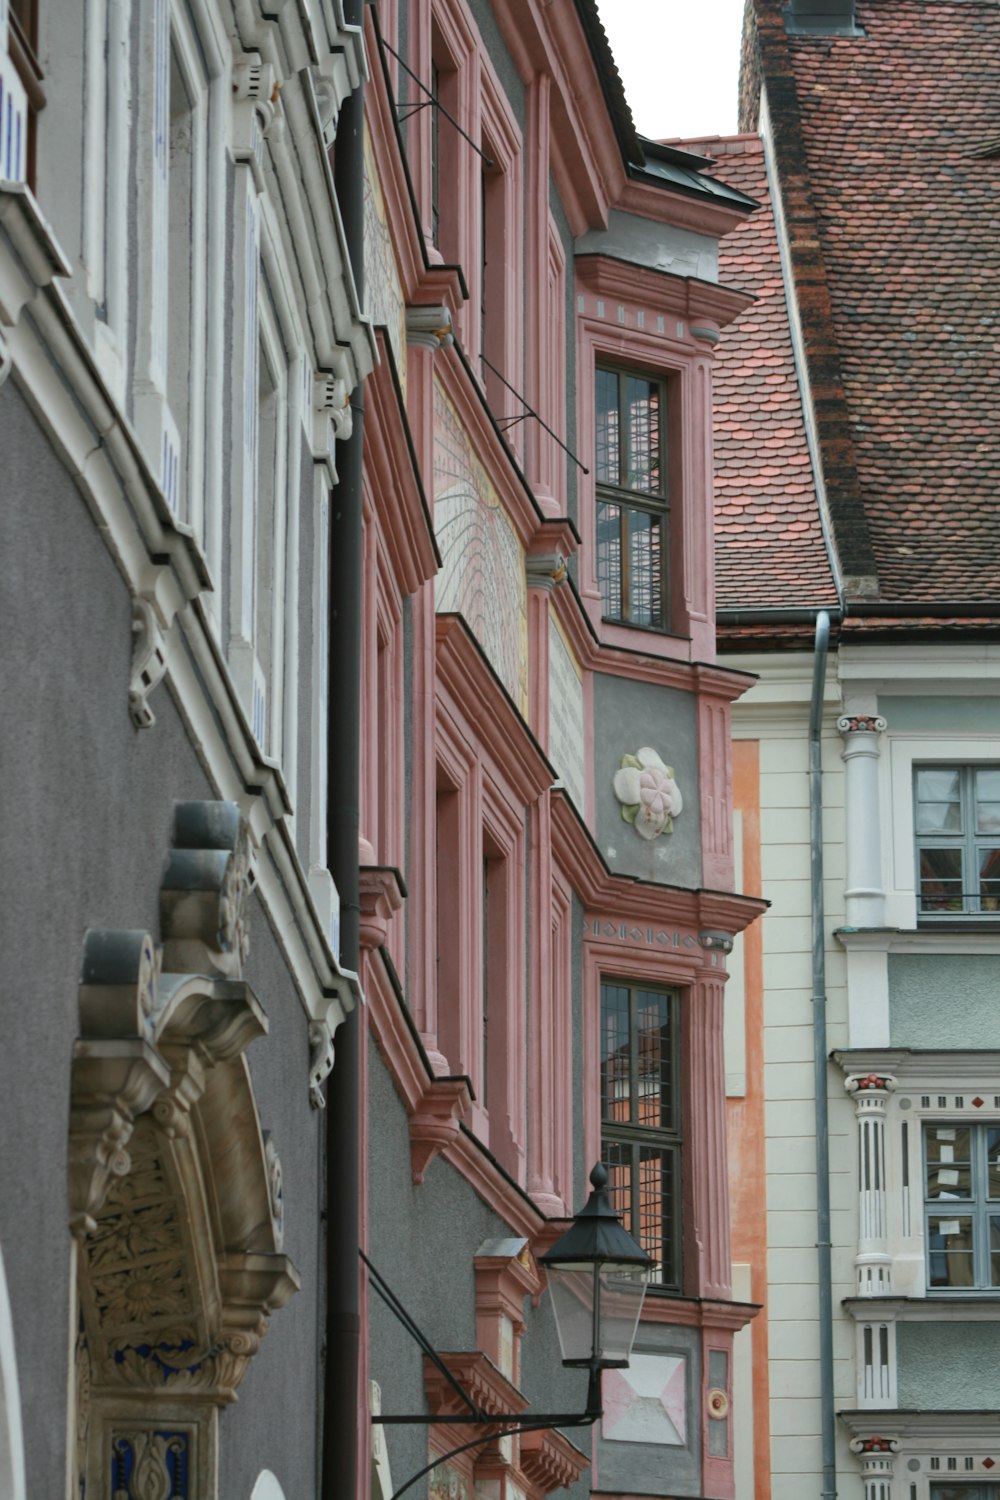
(823, 1245)
(341, 1394)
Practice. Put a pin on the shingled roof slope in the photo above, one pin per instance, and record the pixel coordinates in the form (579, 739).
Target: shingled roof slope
(895, 125)
(769, 549)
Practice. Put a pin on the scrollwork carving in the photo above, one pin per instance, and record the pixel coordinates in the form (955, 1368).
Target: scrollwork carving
(149, 663)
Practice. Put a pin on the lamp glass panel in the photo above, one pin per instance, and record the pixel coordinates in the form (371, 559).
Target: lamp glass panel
(623, 1288)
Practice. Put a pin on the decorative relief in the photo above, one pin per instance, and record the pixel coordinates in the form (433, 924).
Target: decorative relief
(210, 877)
(320, 1061)
(861, 724)
(649, 795)
(169, 1309)
(482, 576)
(646, 1403)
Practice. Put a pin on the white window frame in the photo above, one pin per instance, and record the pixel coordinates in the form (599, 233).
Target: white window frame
(898, 830)
(968, 841)
(978, 1207)
(266, 313)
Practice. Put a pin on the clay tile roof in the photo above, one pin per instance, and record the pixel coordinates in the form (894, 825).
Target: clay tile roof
(901, 129)
(769, 550)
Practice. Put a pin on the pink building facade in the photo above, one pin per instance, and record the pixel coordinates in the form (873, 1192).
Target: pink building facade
(547, 882)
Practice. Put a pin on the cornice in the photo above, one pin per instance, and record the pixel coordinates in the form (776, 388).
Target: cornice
(912, 1068)
(423, 284)
(480, 697)
(163, 567)
(391, 470)
(698, 1312)
(684, 211)
(958, 1309)
(638, 900)
(682, 296)
(454, 374)
(917, 940)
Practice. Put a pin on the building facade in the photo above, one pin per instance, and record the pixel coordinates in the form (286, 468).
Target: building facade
(179, 332)
(243, 328)
(865, 760)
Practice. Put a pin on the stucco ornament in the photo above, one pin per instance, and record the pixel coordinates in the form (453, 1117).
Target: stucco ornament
(648, 793)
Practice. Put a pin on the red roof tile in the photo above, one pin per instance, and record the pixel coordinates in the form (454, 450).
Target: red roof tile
(899, 128)
(769, 547)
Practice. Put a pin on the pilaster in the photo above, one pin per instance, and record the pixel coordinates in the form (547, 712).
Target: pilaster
(864, 894)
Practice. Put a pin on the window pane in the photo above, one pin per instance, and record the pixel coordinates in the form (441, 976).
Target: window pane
(959, 1492)
(941, 879)
(617, 1157)
(949, 1162)
(642, 436)
(609, 558)
(645, 567)
(655, 1083)
(994, 1251)
(993, 1162)
(989, 879)
(988, 801)
(939, 807)
(606, 441)
(615, 1055)
(657, 1199)
(949, 1250)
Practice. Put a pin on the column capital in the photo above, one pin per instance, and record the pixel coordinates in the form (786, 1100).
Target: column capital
(870, 1085)
(861, 724)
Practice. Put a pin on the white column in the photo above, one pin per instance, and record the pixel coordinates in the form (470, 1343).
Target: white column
(864, 895)
(876, 1454)
(873, 1261)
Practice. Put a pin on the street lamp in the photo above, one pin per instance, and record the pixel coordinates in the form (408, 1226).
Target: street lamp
(598, 1274)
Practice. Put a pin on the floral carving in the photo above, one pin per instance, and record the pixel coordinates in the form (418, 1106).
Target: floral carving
(648, 793)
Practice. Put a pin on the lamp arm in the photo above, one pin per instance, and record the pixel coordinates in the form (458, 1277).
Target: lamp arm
(585, 1419)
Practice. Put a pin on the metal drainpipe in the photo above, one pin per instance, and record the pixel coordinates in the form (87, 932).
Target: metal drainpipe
(823, 1247)
(341, 1394)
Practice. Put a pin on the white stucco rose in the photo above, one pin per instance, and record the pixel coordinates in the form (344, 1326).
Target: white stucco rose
(649, 795)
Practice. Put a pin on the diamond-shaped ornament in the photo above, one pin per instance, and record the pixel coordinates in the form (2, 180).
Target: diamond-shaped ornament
(978, 1103)
(989, 1463)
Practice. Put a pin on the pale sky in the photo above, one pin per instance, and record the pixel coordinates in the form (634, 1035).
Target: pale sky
(679, 60)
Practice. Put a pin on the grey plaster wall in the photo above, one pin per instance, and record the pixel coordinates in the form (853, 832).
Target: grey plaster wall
(88, 803)
(948, 1366)
(935, 999)
(285, 1374)
(423, 1240)
(660, 246)
(627, 716)
(88, 809)
(657, 1468)
(950, 716)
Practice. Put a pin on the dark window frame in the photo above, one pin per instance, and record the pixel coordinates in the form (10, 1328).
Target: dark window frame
(630, 500)
(633, 1136)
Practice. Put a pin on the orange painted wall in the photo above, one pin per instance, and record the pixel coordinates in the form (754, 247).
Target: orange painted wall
(745, 1117)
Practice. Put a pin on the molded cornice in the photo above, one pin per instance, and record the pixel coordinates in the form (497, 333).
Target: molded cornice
(391, 471)
(683, 296)
(465, 673)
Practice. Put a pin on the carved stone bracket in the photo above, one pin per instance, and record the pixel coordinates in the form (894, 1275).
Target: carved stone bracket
(382, 894)
(149, 662)
(549, 1461)
(321, 1056)
(211, 874)
(435, 1122)
(545, 569)
(429, 327)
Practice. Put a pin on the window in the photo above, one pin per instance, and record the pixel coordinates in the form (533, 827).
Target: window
(962, 1206)
(21, 92)
(632, 497)
(957, 826)
(640, 1118)
(965, 1492)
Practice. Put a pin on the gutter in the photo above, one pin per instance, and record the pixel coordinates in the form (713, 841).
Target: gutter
(342, 1404)
(823, 1244)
